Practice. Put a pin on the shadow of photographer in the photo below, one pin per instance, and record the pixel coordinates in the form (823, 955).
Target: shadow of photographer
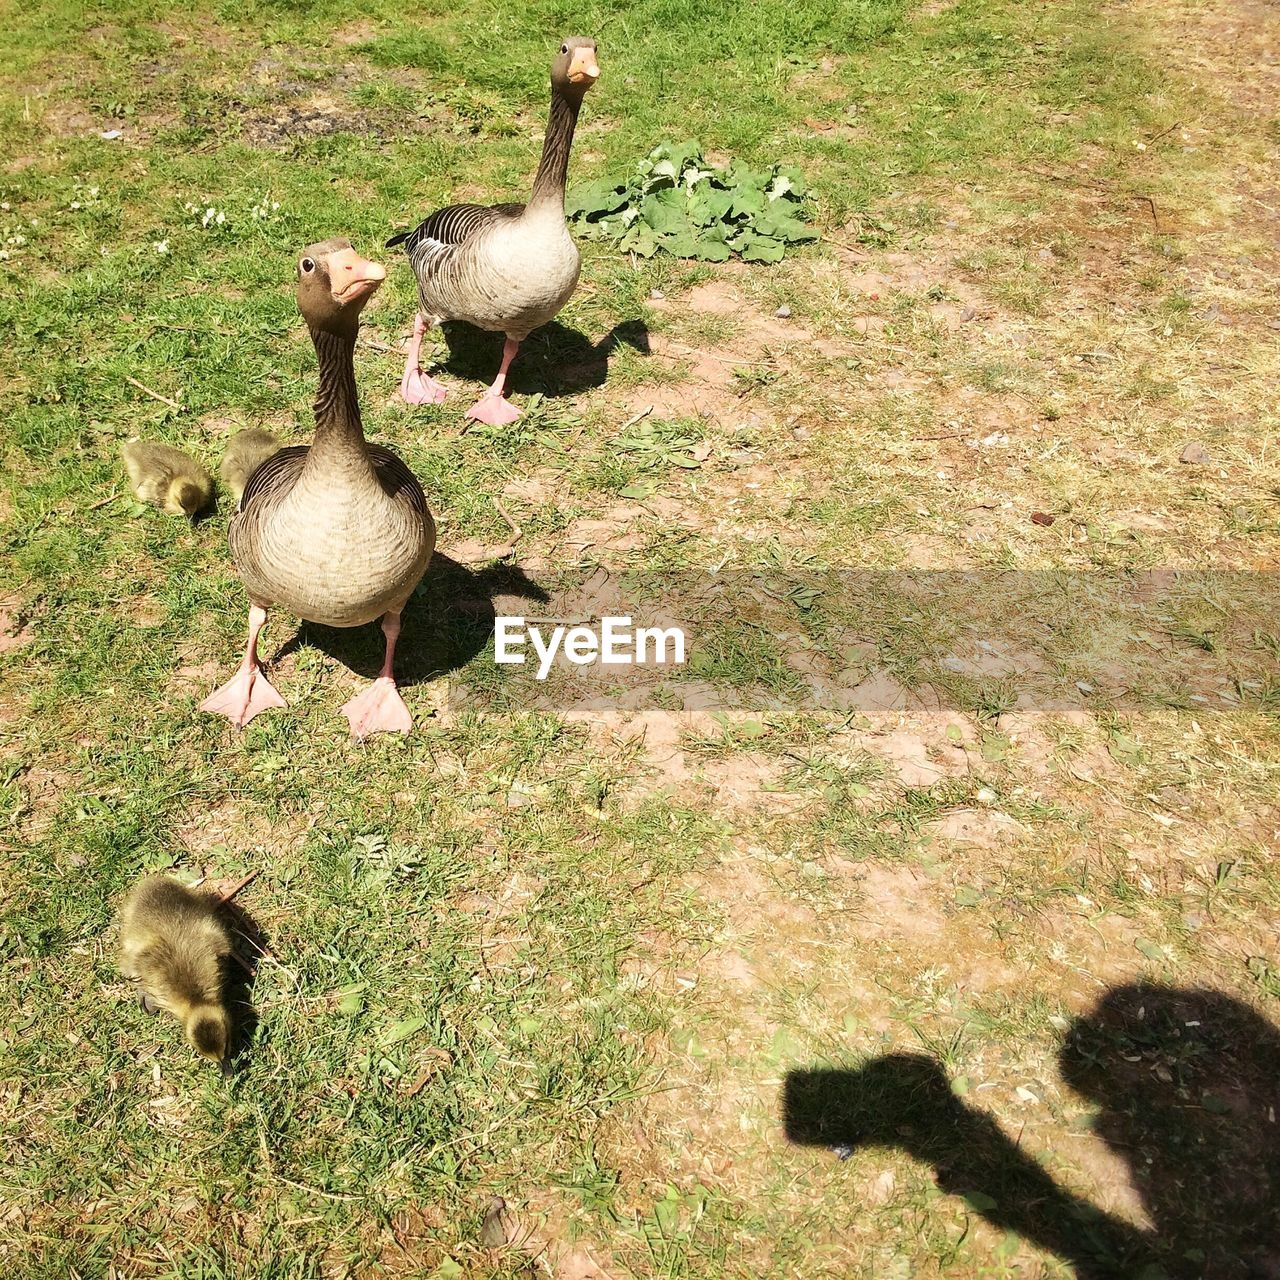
(1187, 1085)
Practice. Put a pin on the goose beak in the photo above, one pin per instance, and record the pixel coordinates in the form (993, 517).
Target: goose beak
(583, 69)
(352, 276)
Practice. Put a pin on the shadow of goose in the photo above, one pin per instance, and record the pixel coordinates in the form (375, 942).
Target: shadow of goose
(447, 622)
(249, 945)
(554, 360)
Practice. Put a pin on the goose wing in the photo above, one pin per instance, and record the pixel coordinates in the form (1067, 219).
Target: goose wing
(274, 477)
(399, 482)
(437, 238)
(453, 224)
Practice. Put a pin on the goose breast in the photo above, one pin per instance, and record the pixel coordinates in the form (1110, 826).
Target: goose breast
(336, 556)
(521, 275)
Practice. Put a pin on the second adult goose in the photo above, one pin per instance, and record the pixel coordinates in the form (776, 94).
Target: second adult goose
(507, 267)
(339, 532)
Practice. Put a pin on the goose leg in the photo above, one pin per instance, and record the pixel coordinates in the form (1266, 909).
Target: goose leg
(380, 708)
(494, 408)
(249, 691)
(415, 386)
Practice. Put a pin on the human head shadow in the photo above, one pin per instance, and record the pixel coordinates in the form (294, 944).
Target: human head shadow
(1187, 1083)
(1208, 1174)
(448, 620)
(249, 945)
(554, 360)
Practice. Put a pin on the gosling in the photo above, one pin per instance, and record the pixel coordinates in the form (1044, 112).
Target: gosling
(167, 478)
(245, 451)
(173, 943)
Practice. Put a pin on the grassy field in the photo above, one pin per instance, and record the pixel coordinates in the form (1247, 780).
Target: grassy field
(927, 924)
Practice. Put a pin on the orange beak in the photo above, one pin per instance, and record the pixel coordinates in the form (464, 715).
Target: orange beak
(583, 68)
(352, 277)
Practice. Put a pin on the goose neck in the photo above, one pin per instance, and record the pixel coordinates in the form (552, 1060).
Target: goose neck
(553, 169)
(338, 427)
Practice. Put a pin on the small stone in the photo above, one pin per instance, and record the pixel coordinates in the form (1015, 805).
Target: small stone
(881, 1189)
(657, 294)
(783, 312)
(1195, 453)
(1042, 518)
(967, 314)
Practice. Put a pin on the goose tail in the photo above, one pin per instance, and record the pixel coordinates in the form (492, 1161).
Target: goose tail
(400, 238)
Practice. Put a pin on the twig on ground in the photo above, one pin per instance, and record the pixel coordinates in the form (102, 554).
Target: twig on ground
(421, 1082)
(636, 417)
(739, 360)
(314, 1191)
(155, 395)
(190, 328)
(227, 894)
(516, 532)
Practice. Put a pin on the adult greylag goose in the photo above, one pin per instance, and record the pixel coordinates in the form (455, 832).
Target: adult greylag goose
(338, 532)
(506, 267)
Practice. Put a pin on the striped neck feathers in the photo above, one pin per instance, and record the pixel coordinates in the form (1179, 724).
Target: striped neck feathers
(553, 168)
(339, 432)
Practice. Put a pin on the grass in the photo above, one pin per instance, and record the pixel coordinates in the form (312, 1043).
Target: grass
(902, 849)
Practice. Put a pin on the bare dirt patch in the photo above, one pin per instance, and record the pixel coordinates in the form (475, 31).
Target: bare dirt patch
(15, 629)
(316, 116)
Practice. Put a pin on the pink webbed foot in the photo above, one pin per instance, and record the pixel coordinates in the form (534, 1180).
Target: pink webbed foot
(379, 709)
(417, 388)
(494, 410)
(246, 694)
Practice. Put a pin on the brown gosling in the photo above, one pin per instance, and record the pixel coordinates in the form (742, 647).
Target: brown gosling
(245, 450)
(167, 478)
(173, 943)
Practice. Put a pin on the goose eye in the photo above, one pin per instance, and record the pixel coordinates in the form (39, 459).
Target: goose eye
(564, 48)
(307, 266)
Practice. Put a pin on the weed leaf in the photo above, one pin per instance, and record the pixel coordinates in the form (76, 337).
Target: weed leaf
(674, 201)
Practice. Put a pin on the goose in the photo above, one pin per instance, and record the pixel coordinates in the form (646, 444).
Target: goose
(506, 267)
(245, 451)
(167, 478)
(173, 943)
(339, 532)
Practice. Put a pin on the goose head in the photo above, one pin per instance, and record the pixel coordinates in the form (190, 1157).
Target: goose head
(334, 283)
(575, 69)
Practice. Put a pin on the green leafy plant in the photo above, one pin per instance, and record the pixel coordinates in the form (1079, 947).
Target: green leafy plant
(675, 201)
